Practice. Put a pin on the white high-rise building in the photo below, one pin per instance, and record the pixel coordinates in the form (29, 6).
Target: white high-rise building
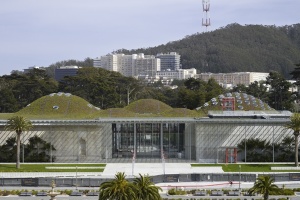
(97, 62)
(145, 65)
(125, 64)
(169, 61)
(129, 65)
(108, 62)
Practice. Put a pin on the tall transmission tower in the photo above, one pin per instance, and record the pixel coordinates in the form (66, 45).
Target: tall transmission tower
(206, 17)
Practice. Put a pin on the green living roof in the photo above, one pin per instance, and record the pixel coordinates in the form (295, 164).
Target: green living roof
(242, 102)
(59, 105)
(67, 106)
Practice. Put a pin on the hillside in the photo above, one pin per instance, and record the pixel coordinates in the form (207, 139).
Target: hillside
(236, 48)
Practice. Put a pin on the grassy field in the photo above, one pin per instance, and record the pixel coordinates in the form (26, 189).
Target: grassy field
(43, 167)
(249, 167)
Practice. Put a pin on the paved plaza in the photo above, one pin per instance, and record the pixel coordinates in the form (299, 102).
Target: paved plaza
(151, 169)
(130, 169)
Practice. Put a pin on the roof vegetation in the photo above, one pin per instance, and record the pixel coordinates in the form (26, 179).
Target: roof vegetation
(148, 106)
(67, 106)
(57, 106)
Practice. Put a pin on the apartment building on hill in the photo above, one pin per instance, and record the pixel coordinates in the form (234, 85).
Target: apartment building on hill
(130, 65)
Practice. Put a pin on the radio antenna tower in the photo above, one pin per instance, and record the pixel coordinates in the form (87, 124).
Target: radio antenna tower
(205, 18)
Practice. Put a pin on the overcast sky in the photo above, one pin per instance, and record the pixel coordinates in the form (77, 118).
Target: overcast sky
(42, 32)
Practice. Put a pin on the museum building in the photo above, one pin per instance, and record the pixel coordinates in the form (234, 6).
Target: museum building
(211, 139)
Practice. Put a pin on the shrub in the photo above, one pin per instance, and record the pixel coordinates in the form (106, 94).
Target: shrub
(172, 191)
(85, 191)
(192, 191)
(34, 192)
(4, 193)
(288, 192)
(14, 192)
(180, 192)
(283, 192)
(296, 189)
(67, 192)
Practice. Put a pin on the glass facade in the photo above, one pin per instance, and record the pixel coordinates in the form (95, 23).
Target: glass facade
(148, 140)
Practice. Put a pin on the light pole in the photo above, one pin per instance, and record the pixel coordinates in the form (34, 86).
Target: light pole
(76, 178)
(239, 178)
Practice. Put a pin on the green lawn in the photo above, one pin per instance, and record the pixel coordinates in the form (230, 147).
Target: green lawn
(42, 167)
(249, 167)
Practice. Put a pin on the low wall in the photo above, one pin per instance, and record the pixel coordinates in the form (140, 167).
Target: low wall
(84, 181)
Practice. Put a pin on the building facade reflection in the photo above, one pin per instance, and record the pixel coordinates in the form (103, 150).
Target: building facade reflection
(148, 140)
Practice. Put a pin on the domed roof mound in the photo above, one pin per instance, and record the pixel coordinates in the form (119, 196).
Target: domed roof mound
(148, 106)
(59, 105)
(242, 101)
(181, 112)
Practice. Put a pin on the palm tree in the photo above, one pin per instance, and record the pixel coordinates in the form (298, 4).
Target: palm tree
(117, 189)
(145, 188)
(18, 124)
(294, 124)
(264, 185)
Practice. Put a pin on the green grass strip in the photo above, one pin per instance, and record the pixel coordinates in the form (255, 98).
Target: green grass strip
(42, 167)
(248, 167)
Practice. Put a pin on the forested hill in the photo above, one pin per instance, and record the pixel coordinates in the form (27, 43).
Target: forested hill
(236, 48)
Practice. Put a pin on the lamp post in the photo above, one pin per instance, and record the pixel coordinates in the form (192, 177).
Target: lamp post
(76, 178)
(239, 178)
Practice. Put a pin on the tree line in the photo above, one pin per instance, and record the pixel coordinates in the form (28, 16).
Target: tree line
(107, 89)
